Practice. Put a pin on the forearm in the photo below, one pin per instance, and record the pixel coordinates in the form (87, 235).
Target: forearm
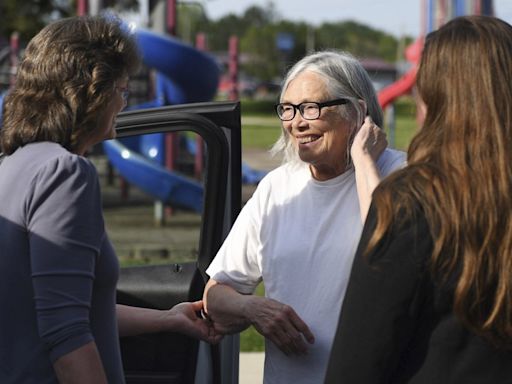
(134, 320)
(367, 178)
(226, 307)
(81, 366)
(368, 145)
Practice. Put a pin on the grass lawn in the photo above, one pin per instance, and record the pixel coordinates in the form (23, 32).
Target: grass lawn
(405, 128)
(260, 131)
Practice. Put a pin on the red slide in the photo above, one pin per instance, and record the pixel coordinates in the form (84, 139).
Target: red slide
(406, 82)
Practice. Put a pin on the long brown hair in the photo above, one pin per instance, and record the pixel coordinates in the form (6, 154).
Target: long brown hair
(460, 170)
(65, 80)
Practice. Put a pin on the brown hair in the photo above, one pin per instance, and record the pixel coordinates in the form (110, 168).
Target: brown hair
(65, 80)
(460, 170)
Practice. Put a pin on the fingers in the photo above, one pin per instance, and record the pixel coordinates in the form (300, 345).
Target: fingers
(291, 343)
(373, 130)
(281, 324)
(205, 330)
(212, 336)
(302, 327)
(188, 320)
(197, 305)
(370, 140)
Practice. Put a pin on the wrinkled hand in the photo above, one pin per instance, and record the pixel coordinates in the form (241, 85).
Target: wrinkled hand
(189, 323)
(370, 140)
(280, 324)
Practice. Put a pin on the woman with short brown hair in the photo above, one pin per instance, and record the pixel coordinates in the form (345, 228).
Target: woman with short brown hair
(58, 271)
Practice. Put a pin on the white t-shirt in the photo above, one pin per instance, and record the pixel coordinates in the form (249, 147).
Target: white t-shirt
(299, 236)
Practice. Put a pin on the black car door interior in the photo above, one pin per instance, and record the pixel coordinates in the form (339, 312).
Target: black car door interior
(171, 357)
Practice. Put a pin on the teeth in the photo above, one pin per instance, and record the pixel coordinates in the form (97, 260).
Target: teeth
(306, 139)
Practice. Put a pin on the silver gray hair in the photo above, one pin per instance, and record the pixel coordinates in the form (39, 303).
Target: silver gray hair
(344, 77)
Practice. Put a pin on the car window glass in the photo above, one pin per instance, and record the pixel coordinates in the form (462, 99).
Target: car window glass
(152, 213)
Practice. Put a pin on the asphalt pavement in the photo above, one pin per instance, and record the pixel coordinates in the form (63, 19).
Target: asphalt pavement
(251, 367)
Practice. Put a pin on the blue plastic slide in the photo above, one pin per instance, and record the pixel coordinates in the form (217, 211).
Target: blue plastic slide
(184, 75)
(2, 95)
(155, 179)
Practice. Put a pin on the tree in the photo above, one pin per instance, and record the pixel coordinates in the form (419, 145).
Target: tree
(28, 17)
(259, 17)
(258, 30)
(268, 60)
(358, 39)
(191, 19)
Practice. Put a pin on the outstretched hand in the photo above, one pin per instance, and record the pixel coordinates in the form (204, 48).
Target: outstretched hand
(189, 323)
(370, 140)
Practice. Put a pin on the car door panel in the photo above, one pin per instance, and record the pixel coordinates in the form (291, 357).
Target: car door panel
(171, 357)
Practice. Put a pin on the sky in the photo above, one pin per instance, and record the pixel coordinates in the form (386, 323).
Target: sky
(398, 17)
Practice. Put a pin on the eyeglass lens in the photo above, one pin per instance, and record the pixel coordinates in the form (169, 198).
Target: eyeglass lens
(309, 111)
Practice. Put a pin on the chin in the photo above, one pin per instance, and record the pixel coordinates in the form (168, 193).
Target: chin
(111, 134)
(307, 156)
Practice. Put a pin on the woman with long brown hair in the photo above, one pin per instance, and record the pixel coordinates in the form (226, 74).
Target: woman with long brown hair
(430, 293)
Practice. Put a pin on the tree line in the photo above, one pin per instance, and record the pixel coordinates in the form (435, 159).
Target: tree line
(259, 30)
(271, 41)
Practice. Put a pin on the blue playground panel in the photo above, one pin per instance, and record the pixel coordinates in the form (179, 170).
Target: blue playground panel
(154, 179)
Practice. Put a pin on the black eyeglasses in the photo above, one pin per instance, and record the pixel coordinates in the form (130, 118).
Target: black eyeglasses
(308, 110)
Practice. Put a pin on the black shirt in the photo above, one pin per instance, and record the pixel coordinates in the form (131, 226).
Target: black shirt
(397, 325)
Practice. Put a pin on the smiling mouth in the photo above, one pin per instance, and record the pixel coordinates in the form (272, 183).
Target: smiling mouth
(307, 139)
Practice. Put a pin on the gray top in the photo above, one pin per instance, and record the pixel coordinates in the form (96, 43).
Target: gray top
(58, 270)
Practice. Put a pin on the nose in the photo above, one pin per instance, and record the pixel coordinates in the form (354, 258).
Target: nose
(298, 122)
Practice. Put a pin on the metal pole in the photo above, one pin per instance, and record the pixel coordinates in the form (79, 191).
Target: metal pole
(199, 155)
(82, 7)
(170, 138)
(95, 7)
(233, 68)
(15, 48)
(171, 17)
(391, 124)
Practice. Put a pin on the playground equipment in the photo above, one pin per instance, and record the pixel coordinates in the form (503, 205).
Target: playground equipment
(434, 14)
(187, 75)
(184, 75)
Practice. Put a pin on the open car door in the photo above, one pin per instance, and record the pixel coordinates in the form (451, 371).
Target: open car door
(171, 357)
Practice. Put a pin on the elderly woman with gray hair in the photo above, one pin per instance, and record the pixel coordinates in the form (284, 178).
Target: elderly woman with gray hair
(299, 231)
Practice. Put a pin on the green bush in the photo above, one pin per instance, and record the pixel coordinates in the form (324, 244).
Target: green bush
(405, 106)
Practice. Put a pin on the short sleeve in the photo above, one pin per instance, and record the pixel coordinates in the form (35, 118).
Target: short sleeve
(65, 230)
(237, 263)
